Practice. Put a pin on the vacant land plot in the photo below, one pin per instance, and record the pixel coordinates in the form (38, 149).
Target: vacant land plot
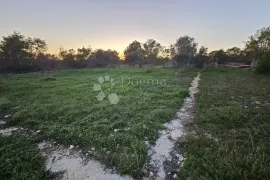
(232, 127)
(66, 107)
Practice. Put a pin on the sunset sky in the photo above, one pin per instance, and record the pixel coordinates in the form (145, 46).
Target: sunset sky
(116, 23)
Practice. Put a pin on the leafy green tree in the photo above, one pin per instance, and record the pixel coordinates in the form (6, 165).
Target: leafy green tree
(37, 46)
(83, 53)
(68, 57)
(15, 49)
(234, 51)
(202, 57)
(152, 49)
(203, 51)
(102, 58)
(185, 50)
(221, 56)
(187, 46)
(259, 43)
(134, 53)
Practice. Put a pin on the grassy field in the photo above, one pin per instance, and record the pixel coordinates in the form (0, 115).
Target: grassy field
(66, 109)
(19, 159)
(232, 125)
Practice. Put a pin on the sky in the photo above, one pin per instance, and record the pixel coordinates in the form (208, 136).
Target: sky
(114, 24)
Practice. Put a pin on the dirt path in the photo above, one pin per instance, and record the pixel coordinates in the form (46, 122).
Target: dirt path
(68, 163)
(164, 158)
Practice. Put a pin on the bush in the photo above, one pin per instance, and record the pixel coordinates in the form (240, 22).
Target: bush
(21, 68)
(264, 64)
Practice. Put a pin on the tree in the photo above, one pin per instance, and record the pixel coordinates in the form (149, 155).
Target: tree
(68, 56)
(166, 54)
(186, 46)
(234, 51)
(185, 49)
(102, 58)
(258, 47)
(83, 53)
(201, 57)
(221, 56)
(152, 49)
(203, 51)
(14, 49)
(37, 46)
(172, 51)
(112, 56)
(259, 43)
(134, 53)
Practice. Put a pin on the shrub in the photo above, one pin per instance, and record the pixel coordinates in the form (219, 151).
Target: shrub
(21, 68)
(264, 64)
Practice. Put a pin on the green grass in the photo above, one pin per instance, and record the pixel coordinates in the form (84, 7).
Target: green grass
(232, 126)
(67, 110)
(20, 160)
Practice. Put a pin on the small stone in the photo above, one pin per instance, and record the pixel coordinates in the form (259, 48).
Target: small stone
(257, 102)
(151, 173)
(144, 171)
(7, 116)
(246, 107)
(93, 149)
(169, 173)
(86, 154)
(38, 131)
(116, 130)
(181, 158)
(175, 176)
(71, 147)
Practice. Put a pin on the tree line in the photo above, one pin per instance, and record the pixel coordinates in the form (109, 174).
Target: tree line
(24, 54)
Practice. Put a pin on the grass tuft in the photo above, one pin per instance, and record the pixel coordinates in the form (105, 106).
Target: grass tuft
(19, 159)
(4, 103)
